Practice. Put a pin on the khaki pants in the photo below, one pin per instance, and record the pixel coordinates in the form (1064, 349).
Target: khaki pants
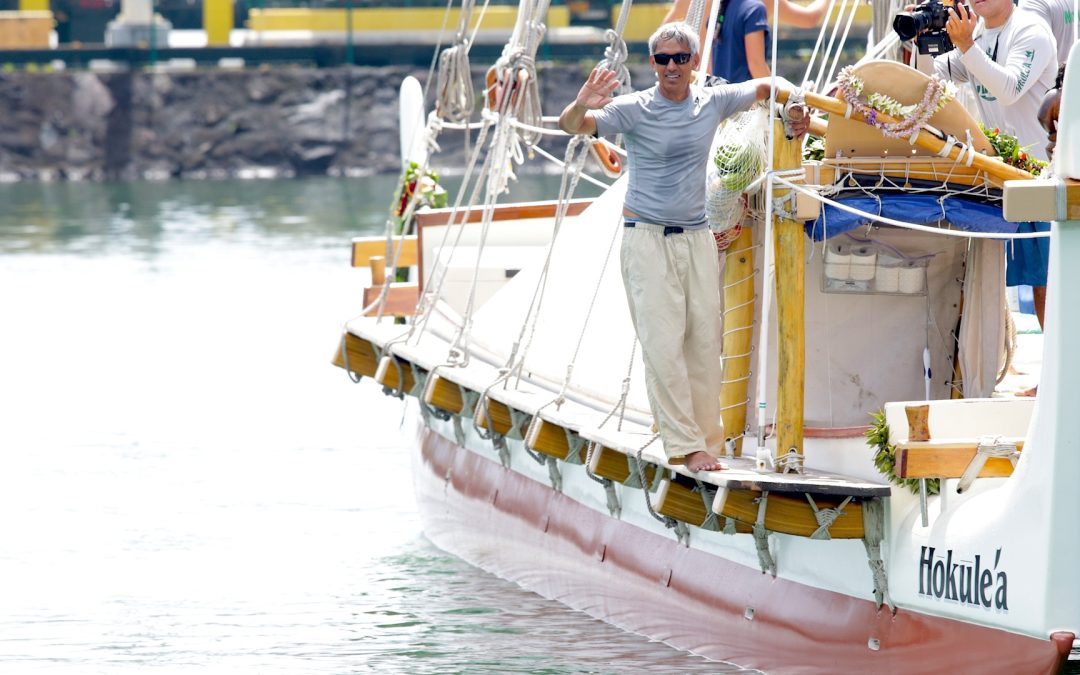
(673, 287)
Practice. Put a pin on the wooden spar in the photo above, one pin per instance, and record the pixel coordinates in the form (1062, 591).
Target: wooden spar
(443, 394)
(362, 358)
(677, 501)
(926, 139)
(790, 269)
(549, 438)
(364, 248)
(377, 265)
(615, 466)
(792, 514)
(401, 299)
(395, 373)
(948, 459)
(494, 416)
(738, 335)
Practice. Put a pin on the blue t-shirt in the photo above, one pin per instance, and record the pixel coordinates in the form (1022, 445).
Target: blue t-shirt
(667, 147)
(741, 17)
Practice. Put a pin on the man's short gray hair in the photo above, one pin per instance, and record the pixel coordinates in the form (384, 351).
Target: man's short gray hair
(679, 31)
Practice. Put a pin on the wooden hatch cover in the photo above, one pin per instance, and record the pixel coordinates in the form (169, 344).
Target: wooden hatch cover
(851, 138)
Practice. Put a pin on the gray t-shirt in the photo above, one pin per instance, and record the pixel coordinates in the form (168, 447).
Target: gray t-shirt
(667, 144)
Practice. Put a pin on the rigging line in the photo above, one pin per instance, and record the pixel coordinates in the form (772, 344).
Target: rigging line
(496, 183)
(560, 163)
(455, 97)
(694, 16)
(460, 227)
(537, 129)
(910, 226)
(430, 133)
(438, 46)
(567, 186)
(828, 51)
(616, 52)
(588, 313)
(710, 36)
(843, 41)
(481, 138)
(479, 22)
(817, 48)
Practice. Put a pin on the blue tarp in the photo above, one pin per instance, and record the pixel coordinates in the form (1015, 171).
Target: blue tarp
(922, 209)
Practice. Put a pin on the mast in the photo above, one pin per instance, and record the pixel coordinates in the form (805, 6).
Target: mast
(790, 270)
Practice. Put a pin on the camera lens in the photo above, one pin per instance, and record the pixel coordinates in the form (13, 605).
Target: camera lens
(909, 24)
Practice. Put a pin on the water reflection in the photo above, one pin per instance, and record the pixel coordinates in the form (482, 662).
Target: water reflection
(187, 485)
(142, 218)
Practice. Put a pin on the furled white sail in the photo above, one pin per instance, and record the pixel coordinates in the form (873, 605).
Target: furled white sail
(586, 247)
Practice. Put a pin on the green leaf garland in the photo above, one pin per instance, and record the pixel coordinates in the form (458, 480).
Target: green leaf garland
(877, 437)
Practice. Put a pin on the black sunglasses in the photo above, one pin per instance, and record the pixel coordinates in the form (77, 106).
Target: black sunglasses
(682, 58)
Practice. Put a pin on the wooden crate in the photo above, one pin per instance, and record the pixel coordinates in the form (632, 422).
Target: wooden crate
(25, 29)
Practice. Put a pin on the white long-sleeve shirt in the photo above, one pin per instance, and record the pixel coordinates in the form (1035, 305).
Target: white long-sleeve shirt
(1009, 68)
(1058, 14)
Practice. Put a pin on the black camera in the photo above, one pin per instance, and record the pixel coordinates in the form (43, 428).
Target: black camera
(926, 24)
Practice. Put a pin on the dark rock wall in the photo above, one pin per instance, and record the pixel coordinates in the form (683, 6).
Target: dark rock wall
(208, 124)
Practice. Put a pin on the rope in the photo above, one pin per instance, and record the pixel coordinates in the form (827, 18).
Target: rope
(438, 46)
(668, 522)
(989, 446)
(614, 508)
(710, 522)
(1010, 345)
(825, 517)
(572, 167)
(789, 462)
(695, 14)
(456, 98)
(817, 48)
(873, 535)
(843, 39)
(910, 226)
(616, 52)
(761, 537)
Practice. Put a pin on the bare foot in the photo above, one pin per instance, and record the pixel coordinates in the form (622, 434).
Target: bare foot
(702, 461)
(1029, 392)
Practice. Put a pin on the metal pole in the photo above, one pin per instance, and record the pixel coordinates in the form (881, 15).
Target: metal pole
(345, 135)
(153, 34)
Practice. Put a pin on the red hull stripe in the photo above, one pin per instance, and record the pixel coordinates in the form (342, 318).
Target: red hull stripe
(694, 601)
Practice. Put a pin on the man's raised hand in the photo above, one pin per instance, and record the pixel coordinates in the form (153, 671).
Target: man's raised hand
(596, 92)
(961, 27)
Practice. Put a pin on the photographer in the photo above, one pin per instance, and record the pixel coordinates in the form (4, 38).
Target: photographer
(1010, 65)
(1058, 15)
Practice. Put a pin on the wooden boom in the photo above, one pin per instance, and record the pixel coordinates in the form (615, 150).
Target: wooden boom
(928, 138)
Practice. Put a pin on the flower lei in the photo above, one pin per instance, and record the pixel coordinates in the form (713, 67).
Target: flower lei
(909, 118)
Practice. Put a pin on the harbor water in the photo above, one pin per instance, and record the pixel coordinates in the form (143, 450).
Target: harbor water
(188, 486)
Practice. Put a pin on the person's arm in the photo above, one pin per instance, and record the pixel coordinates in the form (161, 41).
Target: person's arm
(755, 54)
(798, 116)
(1030, 52)
(677, 11)
(791, 13)
(799, 15)
(576, 118)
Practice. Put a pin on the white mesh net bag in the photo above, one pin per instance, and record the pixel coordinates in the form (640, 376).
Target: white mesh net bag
(739, 157)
